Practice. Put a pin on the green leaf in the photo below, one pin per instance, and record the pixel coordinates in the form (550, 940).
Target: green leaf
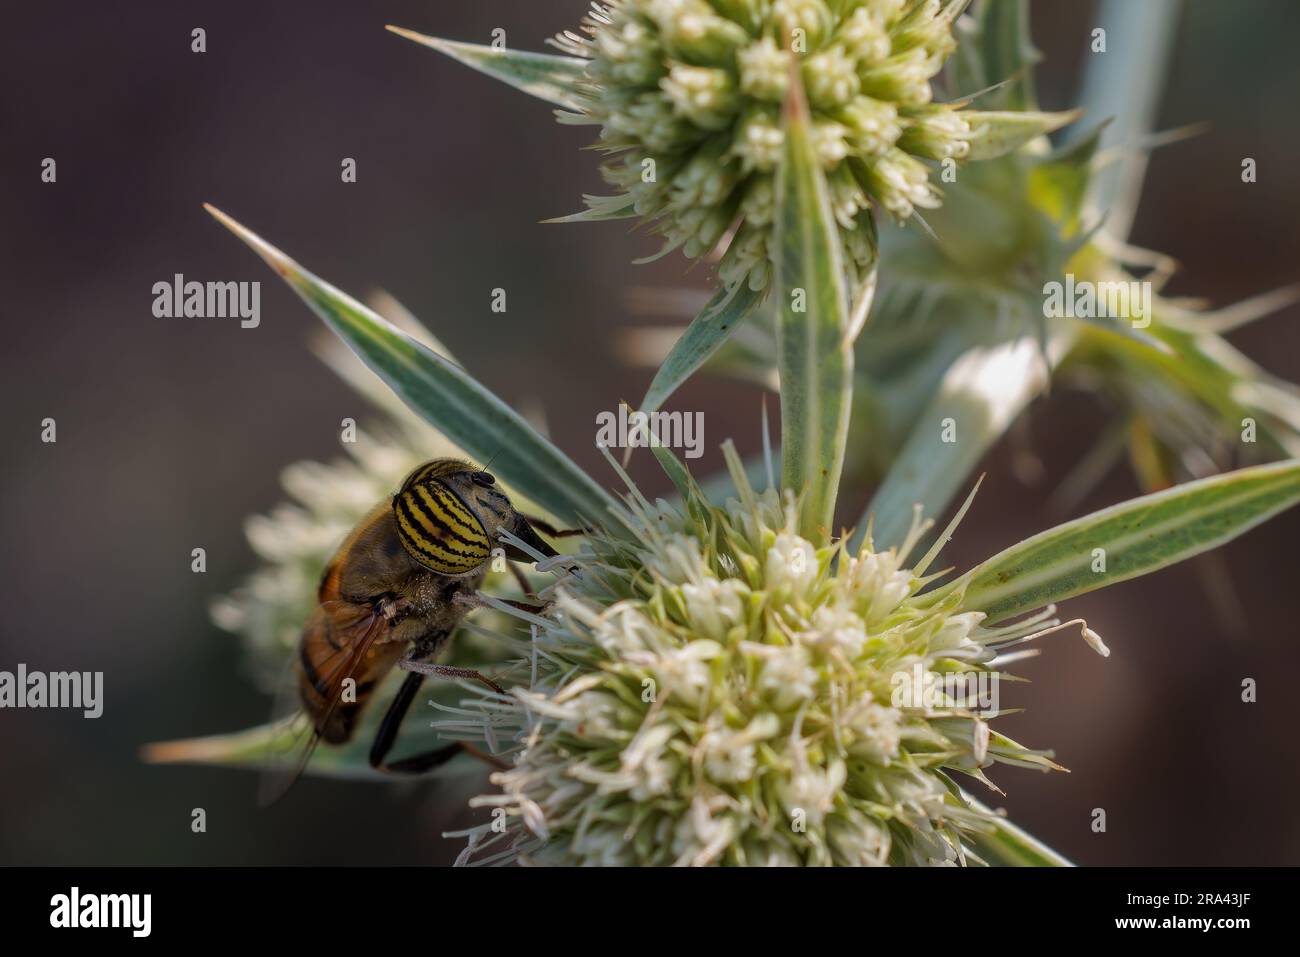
(995, 134)
(1209, 370)
(258, 748)
(1006, 51)
(709, 330)
(1009, 846)
(675, 470)
(1116, 326)
(262, 746)
(600, 209)
(1127, 83)
(546, 76)
(1138, 537)
(1059, 182)
(982, 392)
(446, 396)
(815, 349)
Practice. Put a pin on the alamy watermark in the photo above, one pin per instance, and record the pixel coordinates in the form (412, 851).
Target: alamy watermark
(975, 691)
(1083, 299)
(641, 430)
(75, 909)
(54, 689)
(208, 300)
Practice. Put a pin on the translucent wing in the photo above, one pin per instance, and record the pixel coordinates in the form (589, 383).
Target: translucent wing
(336, 643)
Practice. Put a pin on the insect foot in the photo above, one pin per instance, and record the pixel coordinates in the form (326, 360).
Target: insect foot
(393, 609)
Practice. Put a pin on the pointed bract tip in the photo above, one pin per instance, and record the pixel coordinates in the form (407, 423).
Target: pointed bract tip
(627, 452)
(224, 219)
(277, 260)
(169, 752)
(420, 38)
(1066, 117)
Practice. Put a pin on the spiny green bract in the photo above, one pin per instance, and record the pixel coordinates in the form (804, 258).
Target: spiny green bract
(689, 96)
(724, 692)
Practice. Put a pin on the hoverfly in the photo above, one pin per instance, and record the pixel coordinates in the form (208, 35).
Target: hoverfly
(393, 594)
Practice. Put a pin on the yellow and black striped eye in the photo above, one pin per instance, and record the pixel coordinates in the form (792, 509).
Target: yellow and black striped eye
(438, 530)
(435, 469)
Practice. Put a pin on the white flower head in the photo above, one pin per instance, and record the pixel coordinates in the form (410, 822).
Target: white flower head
(696, 87)
(715, 606)
(790, 565)
(721, 691)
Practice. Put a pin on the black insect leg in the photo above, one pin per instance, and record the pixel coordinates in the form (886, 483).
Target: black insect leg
(522, 581)
(387, 736)
(546, 528)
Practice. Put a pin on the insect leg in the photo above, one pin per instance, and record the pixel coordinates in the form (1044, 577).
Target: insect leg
(471, 600)
(522, 581)
(422, 668)
(416, 763)
(546, 528)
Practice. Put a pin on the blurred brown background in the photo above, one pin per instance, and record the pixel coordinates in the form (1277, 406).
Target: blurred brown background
(171, 432)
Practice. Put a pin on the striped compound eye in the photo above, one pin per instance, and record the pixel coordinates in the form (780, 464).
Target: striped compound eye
(438, 530)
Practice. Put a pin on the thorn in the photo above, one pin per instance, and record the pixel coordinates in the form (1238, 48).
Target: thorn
(277, 260)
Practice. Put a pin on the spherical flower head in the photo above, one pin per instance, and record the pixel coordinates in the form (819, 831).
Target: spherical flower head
(689, 97)
(721, 690)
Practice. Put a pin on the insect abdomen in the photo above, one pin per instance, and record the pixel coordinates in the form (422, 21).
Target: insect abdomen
(315, 653)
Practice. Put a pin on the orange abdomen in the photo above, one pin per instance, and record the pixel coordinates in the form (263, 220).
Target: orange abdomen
(326, 658)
